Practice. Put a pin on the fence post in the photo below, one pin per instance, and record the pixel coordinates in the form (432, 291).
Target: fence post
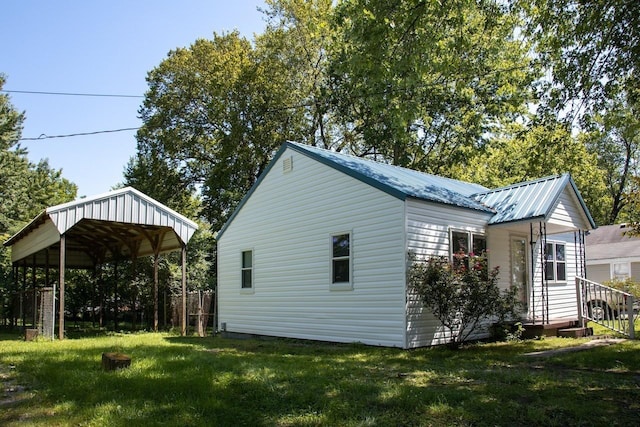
(631, 317)
(580, 302)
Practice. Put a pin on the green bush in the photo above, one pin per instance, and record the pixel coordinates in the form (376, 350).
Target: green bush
(626, 285)
(463, 295)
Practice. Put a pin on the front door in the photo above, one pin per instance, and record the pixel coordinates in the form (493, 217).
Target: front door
(519, 268)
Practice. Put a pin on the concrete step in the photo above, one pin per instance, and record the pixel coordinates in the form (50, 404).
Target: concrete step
(577, 332)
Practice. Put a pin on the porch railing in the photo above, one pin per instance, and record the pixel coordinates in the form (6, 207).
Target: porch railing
(612, 308)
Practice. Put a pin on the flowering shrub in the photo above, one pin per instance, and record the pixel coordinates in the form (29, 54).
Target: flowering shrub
(462, 294)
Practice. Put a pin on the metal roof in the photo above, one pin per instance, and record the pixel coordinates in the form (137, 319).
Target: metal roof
(397, 181)
(529, 200)
(124, 221)
(520, 202)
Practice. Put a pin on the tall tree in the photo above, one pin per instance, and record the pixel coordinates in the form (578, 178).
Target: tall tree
(528, 153)
(614, 138)
(590, 48)
(424, 83)
(25, 188)
(216, 111)
(296, 44)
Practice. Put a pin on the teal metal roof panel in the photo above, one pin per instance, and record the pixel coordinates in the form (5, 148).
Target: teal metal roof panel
(519, 202)
(397, 181)
(529, 200)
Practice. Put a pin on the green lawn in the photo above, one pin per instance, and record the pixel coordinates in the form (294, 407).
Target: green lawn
(216, 381)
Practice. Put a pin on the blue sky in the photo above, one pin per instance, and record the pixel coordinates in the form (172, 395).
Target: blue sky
(99, 47)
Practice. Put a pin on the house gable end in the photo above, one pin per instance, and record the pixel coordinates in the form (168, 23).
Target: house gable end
(535, 200)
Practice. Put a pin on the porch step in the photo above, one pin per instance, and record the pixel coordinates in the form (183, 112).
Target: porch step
(578, 332)
(532, 330)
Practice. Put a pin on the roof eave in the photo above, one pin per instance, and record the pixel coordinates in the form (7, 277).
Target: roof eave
(255, 185)
(26, 229)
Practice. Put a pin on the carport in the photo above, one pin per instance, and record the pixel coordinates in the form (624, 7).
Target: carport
(124, 223)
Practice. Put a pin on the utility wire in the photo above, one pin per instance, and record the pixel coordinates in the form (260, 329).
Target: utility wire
(103, 95)
(43, 136)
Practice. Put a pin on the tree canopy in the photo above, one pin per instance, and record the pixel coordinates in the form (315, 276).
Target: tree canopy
(488, 91)
(26, 188)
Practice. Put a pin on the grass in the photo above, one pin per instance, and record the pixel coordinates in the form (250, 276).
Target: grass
(214, 381)
(599, 330)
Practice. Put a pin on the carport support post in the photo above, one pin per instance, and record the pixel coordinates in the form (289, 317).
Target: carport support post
(155, 291)
(184, 290)
(35, 294)
(63, 250)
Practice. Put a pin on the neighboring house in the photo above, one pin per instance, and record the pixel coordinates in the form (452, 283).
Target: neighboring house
(318, 248)
(612, 254)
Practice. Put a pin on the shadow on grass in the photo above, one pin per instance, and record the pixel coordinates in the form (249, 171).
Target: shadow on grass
(216, 381)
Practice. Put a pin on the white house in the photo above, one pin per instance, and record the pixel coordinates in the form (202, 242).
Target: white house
(612, 253)
(318, 248)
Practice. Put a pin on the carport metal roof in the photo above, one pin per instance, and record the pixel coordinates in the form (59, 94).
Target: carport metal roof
(124, 222)
(87, 232)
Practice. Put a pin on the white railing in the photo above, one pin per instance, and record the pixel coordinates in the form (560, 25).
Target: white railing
(612, 308)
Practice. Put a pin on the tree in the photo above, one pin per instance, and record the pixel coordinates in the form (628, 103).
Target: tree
(614, 138)
(297, 43)
(591, 49)
(528, 153)
(462, 297)
(215, 113)
(25, 188)
(423, 84)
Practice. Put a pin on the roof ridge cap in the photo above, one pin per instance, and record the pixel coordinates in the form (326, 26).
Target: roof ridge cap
(522, 184)
(306, 146)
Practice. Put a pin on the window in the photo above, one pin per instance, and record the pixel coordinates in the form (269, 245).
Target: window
(247, 270)
(620, 270)
(341, 258)
(555, 268)
(461, 242)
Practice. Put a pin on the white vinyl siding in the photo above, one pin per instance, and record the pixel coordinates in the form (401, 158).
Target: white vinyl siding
(428, 231)
(567, 213)
(560, 294)
(599, 272)
(635, 271)
(288, 221)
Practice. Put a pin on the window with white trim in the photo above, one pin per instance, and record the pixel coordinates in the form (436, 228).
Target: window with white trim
(620, 270)
(341, 258)
(465, 244)
(555, 262)
(247, 270)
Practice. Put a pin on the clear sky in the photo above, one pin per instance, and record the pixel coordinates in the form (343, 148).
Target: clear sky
(99, 47)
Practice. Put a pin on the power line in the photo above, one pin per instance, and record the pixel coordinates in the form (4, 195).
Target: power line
(103, 95)
(43, 136)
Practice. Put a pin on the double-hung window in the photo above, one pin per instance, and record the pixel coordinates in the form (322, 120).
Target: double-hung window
(555, 268)
(247, 270)
(341, 259)
(465, 244)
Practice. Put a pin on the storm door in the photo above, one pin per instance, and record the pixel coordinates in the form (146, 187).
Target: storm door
(519, 268)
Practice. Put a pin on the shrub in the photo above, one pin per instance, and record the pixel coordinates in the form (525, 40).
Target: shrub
(626, 285)
(461, 297)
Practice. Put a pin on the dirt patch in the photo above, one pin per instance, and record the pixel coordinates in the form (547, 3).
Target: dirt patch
(11, 393)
